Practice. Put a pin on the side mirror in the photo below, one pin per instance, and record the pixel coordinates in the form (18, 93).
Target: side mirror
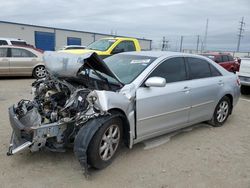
(117, 51)
(155, 82)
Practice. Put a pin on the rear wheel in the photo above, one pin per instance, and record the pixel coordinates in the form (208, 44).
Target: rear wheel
(39, 72)
(221, 112)
(105, 143)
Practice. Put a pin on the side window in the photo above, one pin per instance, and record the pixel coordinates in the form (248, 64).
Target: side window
(125, 46)
(218, 59)
(3, 42)
(172, 70)
(3, 52)
(224, 58)
(214, 71)
(230, 58)
(198, 68)
(17, 52)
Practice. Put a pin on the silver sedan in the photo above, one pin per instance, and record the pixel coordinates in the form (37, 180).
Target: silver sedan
(129, 98)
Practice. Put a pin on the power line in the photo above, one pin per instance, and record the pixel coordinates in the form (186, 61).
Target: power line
(240, 35)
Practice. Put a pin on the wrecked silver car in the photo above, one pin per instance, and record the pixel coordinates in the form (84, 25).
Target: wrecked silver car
(94, 106)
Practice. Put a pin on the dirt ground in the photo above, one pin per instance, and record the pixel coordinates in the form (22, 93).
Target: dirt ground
(204, 157)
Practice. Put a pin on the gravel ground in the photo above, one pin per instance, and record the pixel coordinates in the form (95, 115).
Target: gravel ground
(203, 157)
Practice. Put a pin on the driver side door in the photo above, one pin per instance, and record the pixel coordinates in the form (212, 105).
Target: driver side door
(163, 109)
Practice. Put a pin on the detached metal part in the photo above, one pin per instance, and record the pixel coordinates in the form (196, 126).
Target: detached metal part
(14, 147)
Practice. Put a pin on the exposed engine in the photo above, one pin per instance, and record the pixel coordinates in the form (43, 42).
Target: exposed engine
(55, 101)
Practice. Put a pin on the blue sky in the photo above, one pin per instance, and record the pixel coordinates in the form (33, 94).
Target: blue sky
(151, 19)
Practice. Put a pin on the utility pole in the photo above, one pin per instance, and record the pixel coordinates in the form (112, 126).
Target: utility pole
(241, 30)
(164, 44)
(198, 41)
(205, 37)
(181, 44)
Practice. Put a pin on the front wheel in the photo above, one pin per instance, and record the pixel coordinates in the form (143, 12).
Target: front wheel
(39, 72)
(105, 143)
(221, 112)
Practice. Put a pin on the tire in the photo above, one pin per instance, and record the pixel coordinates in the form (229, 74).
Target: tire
(105, 143)
(221, 112)
(245, 90)
(39, 72)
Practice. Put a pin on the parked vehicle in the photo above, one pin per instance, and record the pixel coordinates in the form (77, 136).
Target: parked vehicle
(225, 60)
(72, 47)
(244, 75)
(12, 41)
(110, 46)
(21, 61)
(95, 106)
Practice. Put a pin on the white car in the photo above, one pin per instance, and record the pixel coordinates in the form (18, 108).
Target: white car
(72, 47)
(12, 41)
(244, 75)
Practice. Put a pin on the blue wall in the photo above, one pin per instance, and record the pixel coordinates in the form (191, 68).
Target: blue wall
(45, 40)
(73, 41)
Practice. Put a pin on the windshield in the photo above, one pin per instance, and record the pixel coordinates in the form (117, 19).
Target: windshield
(128, 67)
(101, 45)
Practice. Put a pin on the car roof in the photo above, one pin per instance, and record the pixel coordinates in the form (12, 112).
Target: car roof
(13, 39)
(215, 53)
(30, 48)
(119, 38)
(158, 54)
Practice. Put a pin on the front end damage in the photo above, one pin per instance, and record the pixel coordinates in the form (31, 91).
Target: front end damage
(63, 102)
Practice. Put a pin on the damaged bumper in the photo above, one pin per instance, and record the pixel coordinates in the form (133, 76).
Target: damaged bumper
(34, 137)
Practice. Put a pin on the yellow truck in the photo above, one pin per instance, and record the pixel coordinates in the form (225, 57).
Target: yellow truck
(109, 46)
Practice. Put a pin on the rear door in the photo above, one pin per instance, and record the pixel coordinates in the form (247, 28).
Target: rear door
(22, 61)
(4, 61)
(228, 65)
(161, 109)
(205, 83)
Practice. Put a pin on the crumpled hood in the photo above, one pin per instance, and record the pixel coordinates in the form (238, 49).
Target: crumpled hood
(62, 64)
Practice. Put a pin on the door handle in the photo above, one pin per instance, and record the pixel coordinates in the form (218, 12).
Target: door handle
(221, 83)
(186, 89)
(5, 59)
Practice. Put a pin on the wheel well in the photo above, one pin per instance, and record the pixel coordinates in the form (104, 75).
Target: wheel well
(125, 124)
(231, 100)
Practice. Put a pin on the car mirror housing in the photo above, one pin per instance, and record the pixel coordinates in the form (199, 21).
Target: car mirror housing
(155, 82)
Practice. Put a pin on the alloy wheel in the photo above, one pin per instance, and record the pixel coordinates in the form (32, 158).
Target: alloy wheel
(109, 142)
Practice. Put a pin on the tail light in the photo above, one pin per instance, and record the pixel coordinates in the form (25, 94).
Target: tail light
(238, 81)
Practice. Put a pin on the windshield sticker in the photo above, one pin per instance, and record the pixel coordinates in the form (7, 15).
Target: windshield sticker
(111, 40)
(140, 61)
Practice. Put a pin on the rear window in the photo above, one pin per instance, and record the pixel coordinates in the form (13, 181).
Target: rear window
(224, 58)
(230, 58)
(214, 71)
(20, 43)
(16, 52)
(3, 42)
(198, 68)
